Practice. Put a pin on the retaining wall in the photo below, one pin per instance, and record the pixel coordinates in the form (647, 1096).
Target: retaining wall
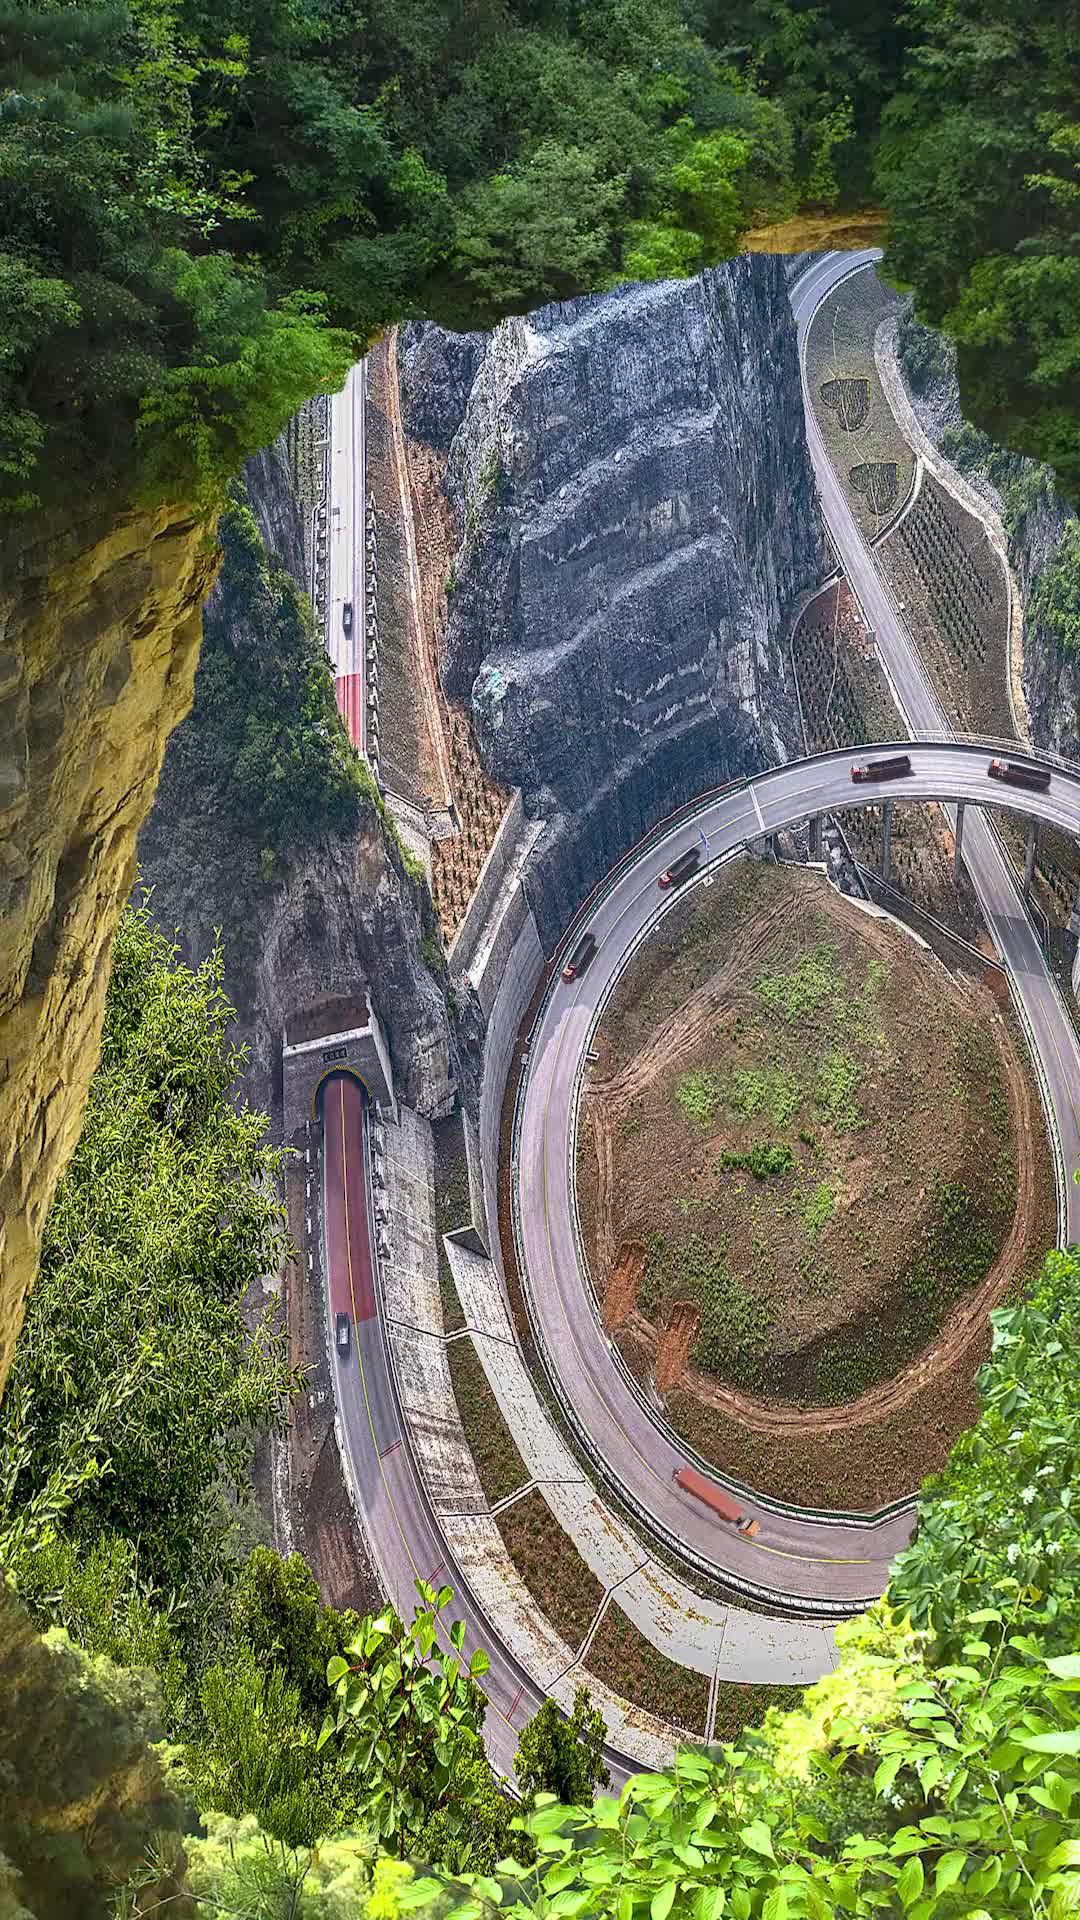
(491, 876)
(514, 981)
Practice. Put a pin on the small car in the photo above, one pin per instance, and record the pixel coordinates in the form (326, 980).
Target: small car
(346, 616)
(342, 1334)
(580, 957)
(681, 869)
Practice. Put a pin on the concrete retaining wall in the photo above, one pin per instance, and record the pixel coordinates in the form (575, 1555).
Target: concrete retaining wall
(516, 976)
(728, 1643)
(491, 876)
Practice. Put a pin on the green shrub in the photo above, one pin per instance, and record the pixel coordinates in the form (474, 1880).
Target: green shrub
(1055, 600)
(698, 1094)
(765, 1162)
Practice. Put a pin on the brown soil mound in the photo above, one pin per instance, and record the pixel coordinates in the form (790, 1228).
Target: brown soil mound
(826, 1146)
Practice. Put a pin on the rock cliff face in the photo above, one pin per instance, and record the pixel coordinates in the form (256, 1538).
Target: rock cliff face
(341, 907)
(637, 516)
(1033, 513)
(100, 627)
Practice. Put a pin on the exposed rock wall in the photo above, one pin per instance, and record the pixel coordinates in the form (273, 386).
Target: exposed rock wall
(637, 514)
(1033, 513)
(348, 913)
(100, 629)
(342, 909)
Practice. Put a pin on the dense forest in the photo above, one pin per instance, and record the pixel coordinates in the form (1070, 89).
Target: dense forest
(209, 210)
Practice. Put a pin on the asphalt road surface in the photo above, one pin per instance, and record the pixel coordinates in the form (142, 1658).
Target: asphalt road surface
(399, 1524)
(347, 532)
(811, 1561)
(991, 875)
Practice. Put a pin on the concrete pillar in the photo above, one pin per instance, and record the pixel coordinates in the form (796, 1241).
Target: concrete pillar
(815, 836)
(958, 864)
(1030, 852)
(886, 839)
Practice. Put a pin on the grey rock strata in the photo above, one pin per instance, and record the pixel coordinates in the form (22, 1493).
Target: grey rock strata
(637, 515)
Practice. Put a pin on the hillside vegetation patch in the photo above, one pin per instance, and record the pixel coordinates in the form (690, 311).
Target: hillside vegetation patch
(809, 1130)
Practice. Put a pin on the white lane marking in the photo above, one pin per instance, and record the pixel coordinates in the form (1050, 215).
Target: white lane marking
(757, 809)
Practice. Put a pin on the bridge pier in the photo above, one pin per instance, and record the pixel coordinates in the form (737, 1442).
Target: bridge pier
(814, 824)
(958, 864)
(886, 838)
(1030, 853)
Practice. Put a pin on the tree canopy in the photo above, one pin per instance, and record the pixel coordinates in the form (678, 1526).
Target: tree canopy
(978, 167)
(207, 211)
(137, 1386)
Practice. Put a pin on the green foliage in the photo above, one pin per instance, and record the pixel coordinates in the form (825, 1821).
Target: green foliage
(263, 767)
(946, 1741)
(563, 1757)
(734, 1329)
(763, 1160)
(959, 1249)
(406, 1711)
(935, 1772)
(804, 988)
(924, 354)
(434, 954)
(209, 211)
(137, 1387)
(256, 1754)
(239, 1873)
(487, 1830)
(1022, 484)
(819, 1209)
(1000, 1517)
(82, 1793)
(771, 1090)
(277, 1612)
(838, 1080)
(698, 1094)
(1055, 601)
(977, 163)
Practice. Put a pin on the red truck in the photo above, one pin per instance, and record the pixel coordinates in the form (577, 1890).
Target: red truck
(714, 1497)
(580, 957)
(891, 769)
(1018, 775)
(681, 869)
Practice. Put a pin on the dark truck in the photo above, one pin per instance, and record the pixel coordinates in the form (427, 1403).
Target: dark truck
(346, 616)
(893, 768)
(715, 1498)
(681, 869)
(580, 957)
(1016, 774)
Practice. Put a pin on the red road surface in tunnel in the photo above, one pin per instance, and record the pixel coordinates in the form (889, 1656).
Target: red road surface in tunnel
(349, 688)
(348, 1240)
